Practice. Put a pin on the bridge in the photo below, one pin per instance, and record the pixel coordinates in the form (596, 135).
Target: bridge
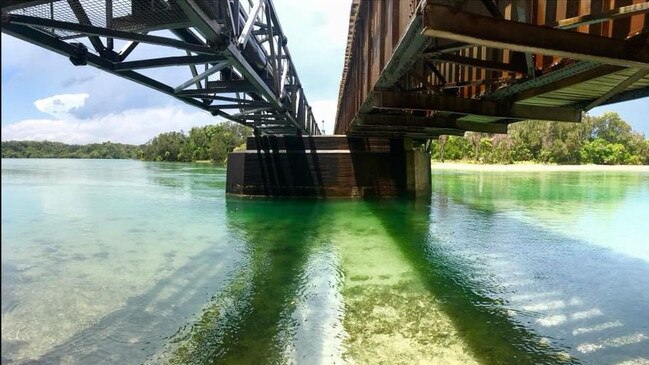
(423, 68)
(414, 70)
(237, 61)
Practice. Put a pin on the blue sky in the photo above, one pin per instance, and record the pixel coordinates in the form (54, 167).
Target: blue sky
(45, 97)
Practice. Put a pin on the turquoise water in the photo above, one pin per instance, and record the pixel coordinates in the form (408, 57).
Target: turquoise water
(131, 262)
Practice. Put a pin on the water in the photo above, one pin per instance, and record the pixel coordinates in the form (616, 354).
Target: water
(129, 262)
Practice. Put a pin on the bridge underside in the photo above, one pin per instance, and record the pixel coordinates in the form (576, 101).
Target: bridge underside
(420, 69)
(232, 56)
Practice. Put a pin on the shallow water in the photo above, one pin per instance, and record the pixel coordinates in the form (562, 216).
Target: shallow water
(133, 262)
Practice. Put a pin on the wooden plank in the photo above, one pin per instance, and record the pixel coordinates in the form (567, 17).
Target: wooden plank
(445, 22)
(409, 120)
(617, 13)
(476, 62)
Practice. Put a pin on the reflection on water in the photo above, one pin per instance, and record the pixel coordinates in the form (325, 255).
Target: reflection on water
(604, 208)
(253, 320)
(131, 262)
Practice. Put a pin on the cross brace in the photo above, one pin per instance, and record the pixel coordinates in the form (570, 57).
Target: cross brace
(497, 109)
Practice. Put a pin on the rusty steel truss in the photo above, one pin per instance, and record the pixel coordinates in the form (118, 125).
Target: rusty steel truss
(235, 54)
(421, 68)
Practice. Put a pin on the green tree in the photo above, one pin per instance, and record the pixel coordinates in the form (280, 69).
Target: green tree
(166, 147)
(604, 139)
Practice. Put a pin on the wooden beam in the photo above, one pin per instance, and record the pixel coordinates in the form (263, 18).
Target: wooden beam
(407, 129)
(498, 109)
(446, 22)
(389, 134)
(409, 120)
(617, 13)
(618, 89)
(474, 62)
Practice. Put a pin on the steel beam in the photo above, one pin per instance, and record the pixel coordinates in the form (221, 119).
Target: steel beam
(167, 62)
(48, 42)
(617, 89)
(208, 27)
(216, 87)
(9, 5)
(199, 77)
(642, 92)
(82, 17)
(567, 81)
(90, 30)
(498, 109)
(247, 28)
(445, 22)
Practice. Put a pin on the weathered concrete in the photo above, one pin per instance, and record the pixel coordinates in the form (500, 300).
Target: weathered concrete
(328, 166)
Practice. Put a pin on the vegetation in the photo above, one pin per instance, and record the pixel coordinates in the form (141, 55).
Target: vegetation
(605, 139)
(46, 149)
(212, 142)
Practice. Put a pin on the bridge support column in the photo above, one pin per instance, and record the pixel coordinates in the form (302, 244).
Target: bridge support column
(328, 166)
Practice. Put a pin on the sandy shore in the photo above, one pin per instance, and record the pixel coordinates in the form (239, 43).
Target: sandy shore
(536, 167)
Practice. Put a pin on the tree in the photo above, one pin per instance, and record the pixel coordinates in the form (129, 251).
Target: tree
(605, 139)
(166, 147)
(610, 127)
(442, 143)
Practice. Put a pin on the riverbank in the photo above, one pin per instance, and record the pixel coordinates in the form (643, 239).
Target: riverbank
(522, 167)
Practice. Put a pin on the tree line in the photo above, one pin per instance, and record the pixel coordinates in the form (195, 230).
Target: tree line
(602, 140)
(211, 142)
(605, 139)
(47, 149)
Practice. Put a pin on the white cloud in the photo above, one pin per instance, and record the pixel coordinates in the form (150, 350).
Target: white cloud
(61, 105)
(134, 126)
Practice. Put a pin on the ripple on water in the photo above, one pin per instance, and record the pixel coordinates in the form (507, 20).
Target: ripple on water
(117, 337)
(12, 303)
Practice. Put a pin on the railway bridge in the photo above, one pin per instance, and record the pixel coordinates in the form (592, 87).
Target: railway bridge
(413, 70)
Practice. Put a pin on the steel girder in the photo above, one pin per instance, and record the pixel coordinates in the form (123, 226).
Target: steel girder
(239, 66)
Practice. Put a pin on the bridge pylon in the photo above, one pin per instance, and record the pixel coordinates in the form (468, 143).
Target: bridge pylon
(329, 166)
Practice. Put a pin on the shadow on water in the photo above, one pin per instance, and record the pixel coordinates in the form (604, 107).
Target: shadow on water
(135, 331)
(250, 321)
(519, 294)
(479, 319)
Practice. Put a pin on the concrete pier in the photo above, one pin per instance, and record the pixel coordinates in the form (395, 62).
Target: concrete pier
(328, 166)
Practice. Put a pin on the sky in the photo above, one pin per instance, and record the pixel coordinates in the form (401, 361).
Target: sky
(45, 97)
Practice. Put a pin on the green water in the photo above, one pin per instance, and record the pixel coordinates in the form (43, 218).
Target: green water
(127, 262)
